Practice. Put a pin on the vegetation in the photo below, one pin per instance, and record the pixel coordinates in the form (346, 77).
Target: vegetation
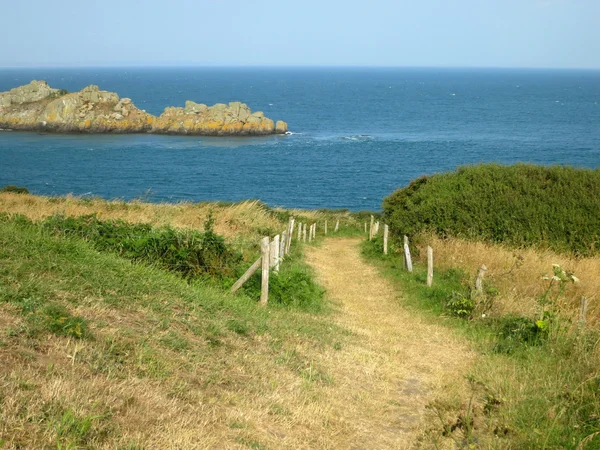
(103, 348)
(14, 189)
(535, 381)
(521, 205)
(190, 253)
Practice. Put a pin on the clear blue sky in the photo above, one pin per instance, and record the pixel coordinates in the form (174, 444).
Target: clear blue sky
(443, 33)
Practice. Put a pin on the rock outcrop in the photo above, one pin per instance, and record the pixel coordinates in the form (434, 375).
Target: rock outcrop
(38, 107)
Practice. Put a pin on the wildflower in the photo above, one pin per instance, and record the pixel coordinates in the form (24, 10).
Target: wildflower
(574, 279)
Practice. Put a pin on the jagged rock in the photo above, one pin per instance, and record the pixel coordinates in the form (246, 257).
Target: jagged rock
(281, 127)
(37, 106)
(32, 92)
(193, 107)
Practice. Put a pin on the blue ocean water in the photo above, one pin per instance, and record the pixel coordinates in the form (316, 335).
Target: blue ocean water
(358, 133)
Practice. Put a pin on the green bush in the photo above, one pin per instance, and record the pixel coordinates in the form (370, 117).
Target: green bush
(513, 331)
(522, 205)
(14, 189)
(190, 253)
(292, 286)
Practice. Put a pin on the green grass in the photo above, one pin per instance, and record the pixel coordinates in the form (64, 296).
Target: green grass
(522, 205)
(119, 319)
(530, 391)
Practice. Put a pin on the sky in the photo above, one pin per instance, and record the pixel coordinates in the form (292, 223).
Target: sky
(406, 33)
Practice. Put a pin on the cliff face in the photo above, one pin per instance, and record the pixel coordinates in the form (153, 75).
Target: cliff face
(38, 107)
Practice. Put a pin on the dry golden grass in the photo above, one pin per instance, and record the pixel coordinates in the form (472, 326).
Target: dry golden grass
(517, 274)
(244, 218)
(399, 363)
(247, 220)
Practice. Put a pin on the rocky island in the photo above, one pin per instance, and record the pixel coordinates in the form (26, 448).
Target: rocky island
(38, 107)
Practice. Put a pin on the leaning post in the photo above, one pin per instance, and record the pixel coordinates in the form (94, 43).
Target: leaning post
(337, 226)
(407, 257)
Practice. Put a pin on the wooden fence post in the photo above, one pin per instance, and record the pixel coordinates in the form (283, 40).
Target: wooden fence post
(325, 228)
(277, 242)
(403, 252)
(386, 231)
(429, 266)
(273, 255)
(288, 243)
(371, 227)
(264, 286)
(479, 279)
(282, 246)
(299, 230)
(251, 271)
(583, 306)
(304, 232)
(407, 257)
(337, 226)
(310, 230)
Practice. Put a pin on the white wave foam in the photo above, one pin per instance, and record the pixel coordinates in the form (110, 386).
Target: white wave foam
(357, 137)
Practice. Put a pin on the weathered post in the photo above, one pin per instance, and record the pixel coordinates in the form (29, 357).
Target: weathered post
(288, 244)
(407, 257)
(371, 228)
(479, 279)
(304, 233)
(583, 306)
(386, 231)
(273, 254)
(365, 227)
(299, 230)
(251, 271)
(264, 286)
(429, 266)
(337, 226)
(277, 242)
(282, 246)
(404, 253)
(310, 233)
(325, 228)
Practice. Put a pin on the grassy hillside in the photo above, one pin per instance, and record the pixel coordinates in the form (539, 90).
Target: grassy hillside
(99, 351)
(522, 205)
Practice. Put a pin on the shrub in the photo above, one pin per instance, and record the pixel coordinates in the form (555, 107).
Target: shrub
(292, 286)
(522, 205)
(190, 253)
(14, 189)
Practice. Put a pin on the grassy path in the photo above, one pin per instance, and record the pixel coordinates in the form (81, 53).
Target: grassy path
(398, 363)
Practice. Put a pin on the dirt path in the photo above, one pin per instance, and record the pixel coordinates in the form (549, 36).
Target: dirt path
(397, 363)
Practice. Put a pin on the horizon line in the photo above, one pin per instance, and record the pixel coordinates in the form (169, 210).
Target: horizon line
(291, 66)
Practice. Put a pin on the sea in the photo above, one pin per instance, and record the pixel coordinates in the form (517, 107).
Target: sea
(356, 134)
